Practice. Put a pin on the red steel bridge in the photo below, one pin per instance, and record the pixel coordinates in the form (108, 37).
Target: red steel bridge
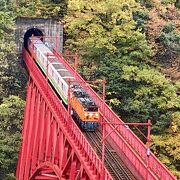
(53, 147)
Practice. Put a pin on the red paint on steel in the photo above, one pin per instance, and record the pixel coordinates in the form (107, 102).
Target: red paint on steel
(103, 147)
(53, 146)
(148, 124)
(123, 138)
(75, 57)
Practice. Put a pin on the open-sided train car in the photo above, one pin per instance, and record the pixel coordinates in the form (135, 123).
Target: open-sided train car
(85, 111)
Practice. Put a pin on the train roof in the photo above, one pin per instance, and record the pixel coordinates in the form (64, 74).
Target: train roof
(61, 70)
(82, 96)
(40, 45)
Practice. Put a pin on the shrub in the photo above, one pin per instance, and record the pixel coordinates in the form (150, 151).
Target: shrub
(169, 28)
(140, 17)
(168, 2)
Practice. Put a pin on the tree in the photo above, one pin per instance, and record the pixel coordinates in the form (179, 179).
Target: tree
(137, 92)
(177, 4)
(11, 111)
(109, 39)
(12, 81)
(96, 28)
(42, 8)
(169, 41)
(167, 148)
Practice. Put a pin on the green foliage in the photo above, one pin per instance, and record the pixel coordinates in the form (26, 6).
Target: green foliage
(175, 124)
(167, 149)
(140, 17)
(109, 39)
(7, 5)
(41, 8)
(12, 81)
(141, 92)
(6, 24)
(177, 3)
(97, 30)
(102, 27)
(147, 3)
(11, 111)
(171, 41)
(169, 28)
(165, 2)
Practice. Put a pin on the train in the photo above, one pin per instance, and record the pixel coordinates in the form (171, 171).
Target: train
(85, 112)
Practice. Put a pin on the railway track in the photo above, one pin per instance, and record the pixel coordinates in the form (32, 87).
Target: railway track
(113, 163)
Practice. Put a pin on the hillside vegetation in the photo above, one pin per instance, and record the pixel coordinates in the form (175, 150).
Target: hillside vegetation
(134, 45)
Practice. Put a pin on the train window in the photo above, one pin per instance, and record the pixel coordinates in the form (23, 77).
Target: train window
(45, 61)
(65, 89)
(50, 71)
(56, 78)
(38, 54)
(62, 86)
(42, 59)
(35, 49)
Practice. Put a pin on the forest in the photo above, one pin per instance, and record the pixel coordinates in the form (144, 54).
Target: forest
(133, 44)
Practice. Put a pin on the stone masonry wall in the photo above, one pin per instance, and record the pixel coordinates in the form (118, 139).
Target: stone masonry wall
(49, 27)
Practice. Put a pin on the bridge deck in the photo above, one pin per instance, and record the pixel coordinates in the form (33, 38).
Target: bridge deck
(53, 146)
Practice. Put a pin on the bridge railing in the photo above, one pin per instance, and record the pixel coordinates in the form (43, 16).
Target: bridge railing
(71, 130)
(125, 139)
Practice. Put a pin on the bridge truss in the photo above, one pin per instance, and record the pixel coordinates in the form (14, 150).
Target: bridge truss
(53, 147)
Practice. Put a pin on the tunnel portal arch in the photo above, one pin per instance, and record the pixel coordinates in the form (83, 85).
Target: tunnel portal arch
(48, 27)
(32, 31)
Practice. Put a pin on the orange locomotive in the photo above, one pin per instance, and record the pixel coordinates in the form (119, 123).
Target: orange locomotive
(84, 109)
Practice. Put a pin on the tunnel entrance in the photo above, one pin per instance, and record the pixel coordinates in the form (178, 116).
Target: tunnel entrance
(48, 27)
(33, 31)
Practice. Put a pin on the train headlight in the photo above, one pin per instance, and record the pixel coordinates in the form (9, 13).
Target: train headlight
(85, 114)
(97, 115)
